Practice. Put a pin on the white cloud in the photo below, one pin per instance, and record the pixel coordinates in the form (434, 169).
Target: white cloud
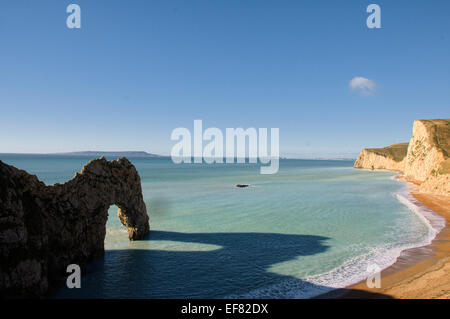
(362, 85)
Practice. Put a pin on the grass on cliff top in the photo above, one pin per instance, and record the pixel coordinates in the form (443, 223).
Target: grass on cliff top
(397, 152)
(439, 131)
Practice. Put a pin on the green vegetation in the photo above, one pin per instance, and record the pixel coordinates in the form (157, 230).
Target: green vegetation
(396, 152)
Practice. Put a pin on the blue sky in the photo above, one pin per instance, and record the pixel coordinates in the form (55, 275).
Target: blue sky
(138, 69)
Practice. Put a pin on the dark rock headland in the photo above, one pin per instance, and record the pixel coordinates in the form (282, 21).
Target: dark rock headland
(43, 229)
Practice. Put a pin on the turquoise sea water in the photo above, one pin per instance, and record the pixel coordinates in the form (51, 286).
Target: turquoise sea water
(313, 226)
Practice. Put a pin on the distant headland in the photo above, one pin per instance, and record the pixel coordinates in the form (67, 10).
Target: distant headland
(113, 154)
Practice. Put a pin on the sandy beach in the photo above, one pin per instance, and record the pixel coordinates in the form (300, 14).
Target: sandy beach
(419, 273)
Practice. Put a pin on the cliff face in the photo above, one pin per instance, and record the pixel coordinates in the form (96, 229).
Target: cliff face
(439, 185)
(428, 148)
(390, 157)
(43, 228)
(428, 156)
(426, 159)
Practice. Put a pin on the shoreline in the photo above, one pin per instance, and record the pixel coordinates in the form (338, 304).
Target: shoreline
(421, 272)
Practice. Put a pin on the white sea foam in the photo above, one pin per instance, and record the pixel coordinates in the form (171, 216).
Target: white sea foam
(355, 270)
(434, 221)
(350, 272)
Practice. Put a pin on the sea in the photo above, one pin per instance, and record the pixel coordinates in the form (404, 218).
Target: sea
(315, 226)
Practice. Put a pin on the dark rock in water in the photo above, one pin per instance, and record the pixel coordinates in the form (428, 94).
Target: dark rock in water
(43, 229)
(242, 185)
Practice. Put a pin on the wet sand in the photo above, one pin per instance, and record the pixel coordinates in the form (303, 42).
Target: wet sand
(419, 273)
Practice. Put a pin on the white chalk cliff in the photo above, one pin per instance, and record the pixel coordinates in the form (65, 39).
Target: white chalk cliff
(424, 160)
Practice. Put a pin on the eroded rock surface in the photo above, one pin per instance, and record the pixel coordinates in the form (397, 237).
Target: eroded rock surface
(425, 159)
(43, 228)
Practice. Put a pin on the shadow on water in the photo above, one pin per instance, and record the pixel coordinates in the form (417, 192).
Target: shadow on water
(237, 264)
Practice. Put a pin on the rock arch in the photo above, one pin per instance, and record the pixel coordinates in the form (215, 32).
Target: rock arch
(43, 228)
